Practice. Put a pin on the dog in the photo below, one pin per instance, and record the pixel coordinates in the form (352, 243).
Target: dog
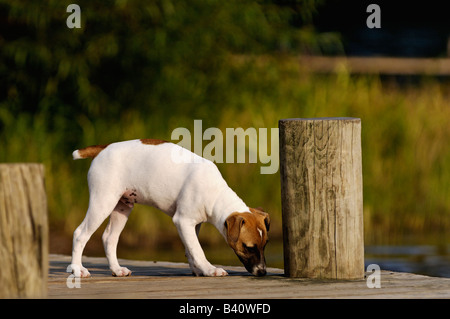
(191, 191)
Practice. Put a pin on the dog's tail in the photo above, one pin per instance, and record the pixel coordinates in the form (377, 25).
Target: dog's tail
(88, 152)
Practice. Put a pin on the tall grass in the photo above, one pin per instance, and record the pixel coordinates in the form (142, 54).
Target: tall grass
(405, 141)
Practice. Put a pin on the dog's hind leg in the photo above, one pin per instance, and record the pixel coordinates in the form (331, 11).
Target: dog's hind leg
(100, 207)
(110, 238)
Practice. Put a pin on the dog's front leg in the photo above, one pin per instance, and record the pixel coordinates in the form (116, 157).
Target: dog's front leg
(196, 257)
(195, 271)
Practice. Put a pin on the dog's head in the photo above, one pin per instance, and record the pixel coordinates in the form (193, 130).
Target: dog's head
(247, 235)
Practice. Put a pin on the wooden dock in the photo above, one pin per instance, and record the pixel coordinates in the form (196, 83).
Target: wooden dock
(174, 280)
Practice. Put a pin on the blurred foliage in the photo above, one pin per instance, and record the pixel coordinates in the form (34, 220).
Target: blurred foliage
(143, 68)
(157, 57)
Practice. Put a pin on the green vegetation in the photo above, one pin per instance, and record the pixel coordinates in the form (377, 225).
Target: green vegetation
(143, 68)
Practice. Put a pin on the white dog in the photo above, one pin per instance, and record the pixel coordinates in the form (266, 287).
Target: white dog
(150, 172)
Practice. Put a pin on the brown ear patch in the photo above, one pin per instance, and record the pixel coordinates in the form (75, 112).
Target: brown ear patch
(261, 212)
(233, 226)
(152, 141)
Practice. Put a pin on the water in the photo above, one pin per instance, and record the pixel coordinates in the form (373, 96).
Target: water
(422, 259)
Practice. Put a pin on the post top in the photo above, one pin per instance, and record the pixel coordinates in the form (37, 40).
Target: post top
(323, 119)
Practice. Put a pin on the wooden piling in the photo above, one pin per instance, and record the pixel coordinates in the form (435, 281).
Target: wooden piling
(321, 193)
(23, 231)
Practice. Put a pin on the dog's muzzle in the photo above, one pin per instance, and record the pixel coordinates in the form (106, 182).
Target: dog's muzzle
(259, 270)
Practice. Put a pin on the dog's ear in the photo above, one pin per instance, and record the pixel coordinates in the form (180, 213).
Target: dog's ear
(266, 220)
(261, 212)
(233, 226)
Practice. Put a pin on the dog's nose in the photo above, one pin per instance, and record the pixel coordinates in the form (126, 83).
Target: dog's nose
(259, 270)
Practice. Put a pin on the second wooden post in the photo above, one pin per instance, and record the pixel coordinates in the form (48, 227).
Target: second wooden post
(23, 231)
(321, 193)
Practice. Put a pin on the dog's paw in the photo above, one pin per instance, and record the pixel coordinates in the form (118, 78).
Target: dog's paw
(85, 273)
(121, 272)
(80, 271)
(215, 272)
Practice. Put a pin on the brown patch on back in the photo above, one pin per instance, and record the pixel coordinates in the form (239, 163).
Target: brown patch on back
(91, 151)
(152, 141)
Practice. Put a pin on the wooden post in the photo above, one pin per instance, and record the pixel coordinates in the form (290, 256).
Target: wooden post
(23, 231)
(321, 193)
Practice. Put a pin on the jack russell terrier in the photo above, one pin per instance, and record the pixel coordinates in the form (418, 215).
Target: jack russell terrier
(191, 192)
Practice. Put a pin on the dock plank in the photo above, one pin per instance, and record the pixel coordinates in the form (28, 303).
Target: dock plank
(174, 280)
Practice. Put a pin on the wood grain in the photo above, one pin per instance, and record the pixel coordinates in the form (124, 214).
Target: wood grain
(321, 185)
(23, 231)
